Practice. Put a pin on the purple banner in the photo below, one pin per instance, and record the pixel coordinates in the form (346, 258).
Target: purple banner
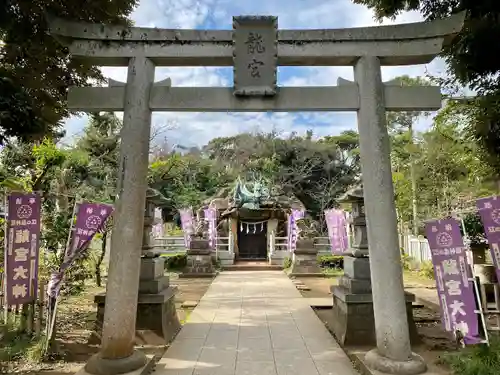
(211, 218)
(90, 219)
(187, 223)
(451, 270)
(337, 231)
(22, 239)
(293, 229)
(489, 210)
(157, 230)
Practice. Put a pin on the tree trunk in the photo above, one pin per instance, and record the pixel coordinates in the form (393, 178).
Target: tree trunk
(413, 183)
(98, 276)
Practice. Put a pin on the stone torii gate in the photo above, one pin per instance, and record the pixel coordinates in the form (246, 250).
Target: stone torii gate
(255, 48)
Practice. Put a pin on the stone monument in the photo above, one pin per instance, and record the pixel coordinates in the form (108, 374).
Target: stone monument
(305, 255)
(199, 262)
(254, 48)
(352, 298)
(157, 322)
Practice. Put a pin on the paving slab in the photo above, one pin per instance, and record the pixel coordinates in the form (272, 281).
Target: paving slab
(254, 323)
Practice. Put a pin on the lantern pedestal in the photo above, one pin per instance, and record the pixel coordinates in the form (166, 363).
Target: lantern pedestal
(305, 259)
(354, 322)
(157, 322)
(199, 260)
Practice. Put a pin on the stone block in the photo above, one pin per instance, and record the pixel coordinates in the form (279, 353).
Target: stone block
(354, 322)
(189, 304)
(199, 244)
(157, 322)
(357, 268)
(226, 258)
(152, 268)
(304, 243)
(199, 264)
(356, 286)
(305, 263)
(154, 286)
(277, 258)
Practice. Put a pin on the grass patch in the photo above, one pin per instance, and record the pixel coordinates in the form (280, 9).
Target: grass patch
(416, 277)
(175, 261)
(18, 347)
(186, 317)
(332, 272)
(287, 263)
(475, 360)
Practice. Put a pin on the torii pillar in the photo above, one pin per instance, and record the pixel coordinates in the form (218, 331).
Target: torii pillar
(393, 353)
(117, 354)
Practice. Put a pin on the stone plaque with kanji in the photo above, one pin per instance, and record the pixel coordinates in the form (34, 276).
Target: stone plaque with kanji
(255, 55)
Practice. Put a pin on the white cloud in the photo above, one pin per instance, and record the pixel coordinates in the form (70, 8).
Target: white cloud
(198, 128)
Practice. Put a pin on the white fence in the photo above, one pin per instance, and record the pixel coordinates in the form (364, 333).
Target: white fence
(175, 244)
(416, 247)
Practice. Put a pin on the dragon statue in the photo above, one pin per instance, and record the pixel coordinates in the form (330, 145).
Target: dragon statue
(244, 198)
(306, 228)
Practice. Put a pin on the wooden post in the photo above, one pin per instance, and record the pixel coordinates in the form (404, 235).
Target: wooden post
(40, 303)
(24, 317)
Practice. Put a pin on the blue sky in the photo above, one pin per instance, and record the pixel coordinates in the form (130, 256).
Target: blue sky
(191, 129)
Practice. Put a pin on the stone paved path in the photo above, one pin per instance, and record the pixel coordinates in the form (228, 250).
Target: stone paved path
(254, 323)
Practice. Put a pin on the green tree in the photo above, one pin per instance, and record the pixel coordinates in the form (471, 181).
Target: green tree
(315, 171)
(101, 143)
(36, 70)
(404, 122)
(473, 59)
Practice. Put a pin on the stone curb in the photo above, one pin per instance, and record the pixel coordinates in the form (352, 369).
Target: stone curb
(427, 303)
(151, 364)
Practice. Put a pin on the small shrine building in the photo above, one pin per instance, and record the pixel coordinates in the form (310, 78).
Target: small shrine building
(251, 215)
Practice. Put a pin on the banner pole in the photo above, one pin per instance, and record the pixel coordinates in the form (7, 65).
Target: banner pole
(474, 282)
(51, 311)
(6, 249)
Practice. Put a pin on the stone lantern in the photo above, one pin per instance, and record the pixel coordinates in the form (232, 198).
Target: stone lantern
(354, 196)
(152, 196)
(352, 297)
(199, 262)
(305, 255)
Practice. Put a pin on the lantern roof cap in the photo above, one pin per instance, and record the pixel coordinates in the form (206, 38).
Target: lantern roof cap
(354, 194)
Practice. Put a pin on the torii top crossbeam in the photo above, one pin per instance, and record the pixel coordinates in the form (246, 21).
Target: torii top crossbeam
(255, 48)
(406, 44)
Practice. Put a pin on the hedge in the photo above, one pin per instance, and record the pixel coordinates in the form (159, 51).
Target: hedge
(331, 261)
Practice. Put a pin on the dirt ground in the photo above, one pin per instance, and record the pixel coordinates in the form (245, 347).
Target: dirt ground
(75, 343)
(77, 315)
(435, 341)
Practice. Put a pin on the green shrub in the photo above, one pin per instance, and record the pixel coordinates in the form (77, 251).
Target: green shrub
(287, 262)
(406, 262)
(331, 261)
(427, 270)
(175, 261)
(475, 360)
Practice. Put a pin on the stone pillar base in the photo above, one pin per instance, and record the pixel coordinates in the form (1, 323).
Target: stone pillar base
(199, 260)
(97, 365)
(226, 258)
(305, 259)
(278, 257)
(157, 322)
(415, 366)
(354, 322)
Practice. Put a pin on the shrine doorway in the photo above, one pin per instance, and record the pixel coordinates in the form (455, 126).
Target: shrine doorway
(252, 240)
